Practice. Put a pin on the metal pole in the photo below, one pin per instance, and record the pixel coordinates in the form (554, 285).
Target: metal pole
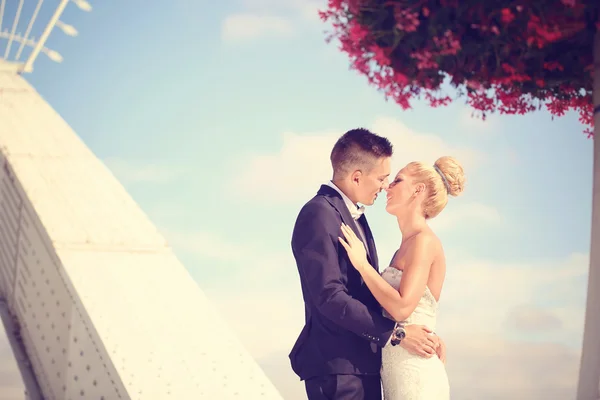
(589, 373)
(14, 29)
(28, 31)
(28, 67)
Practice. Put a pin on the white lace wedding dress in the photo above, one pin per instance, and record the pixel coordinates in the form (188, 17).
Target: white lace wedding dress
(405, 376)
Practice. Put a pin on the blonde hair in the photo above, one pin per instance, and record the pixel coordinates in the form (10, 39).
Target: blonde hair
(450, 180)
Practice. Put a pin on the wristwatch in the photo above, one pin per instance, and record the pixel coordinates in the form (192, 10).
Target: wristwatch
(397, 335)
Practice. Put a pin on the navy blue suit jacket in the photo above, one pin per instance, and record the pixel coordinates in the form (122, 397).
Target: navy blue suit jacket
(344, 327)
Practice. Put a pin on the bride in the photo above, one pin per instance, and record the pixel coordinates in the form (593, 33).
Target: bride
(409, 289)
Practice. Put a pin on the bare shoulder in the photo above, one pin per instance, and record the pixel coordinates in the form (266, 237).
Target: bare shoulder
(427, 240)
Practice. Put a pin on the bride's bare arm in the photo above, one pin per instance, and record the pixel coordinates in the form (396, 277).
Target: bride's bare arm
(418, 259)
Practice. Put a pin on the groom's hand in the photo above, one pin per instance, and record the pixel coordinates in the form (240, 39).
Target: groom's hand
(420, 341)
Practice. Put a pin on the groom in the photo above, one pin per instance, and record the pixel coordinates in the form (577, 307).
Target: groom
(338, 352)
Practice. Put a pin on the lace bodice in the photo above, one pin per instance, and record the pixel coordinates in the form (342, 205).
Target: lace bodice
(426, 311)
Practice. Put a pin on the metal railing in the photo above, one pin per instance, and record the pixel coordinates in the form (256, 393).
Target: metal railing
(18, 51)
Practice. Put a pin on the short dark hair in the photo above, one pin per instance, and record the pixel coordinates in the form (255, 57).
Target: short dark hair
(358, 149)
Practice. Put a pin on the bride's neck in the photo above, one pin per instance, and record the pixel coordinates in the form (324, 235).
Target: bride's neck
(411, 224)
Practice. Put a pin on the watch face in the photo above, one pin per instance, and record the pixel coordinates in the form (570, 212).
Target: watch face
(400, 333)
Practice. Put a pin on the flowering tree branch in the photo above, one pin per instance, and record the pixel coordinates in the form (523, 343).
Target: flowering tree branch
(505, 56)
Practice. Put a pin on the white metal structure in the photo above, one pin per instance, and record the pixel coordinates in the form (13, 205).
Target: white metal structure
(589, 375)
(94, 301)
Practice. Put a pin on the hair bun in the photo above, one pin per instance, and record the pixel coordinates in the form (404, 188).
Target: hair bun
(454, 174)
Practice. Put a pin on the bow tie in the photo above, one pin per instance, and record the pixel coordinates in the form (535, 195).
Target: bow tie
(358, 213)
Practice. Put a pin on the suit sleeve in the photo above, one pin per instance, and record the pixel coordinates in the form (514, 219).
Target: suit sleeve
(316, 247)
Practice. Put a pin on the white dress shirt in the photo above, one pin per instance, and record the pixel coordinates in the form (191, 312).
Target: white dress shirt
(354, 211)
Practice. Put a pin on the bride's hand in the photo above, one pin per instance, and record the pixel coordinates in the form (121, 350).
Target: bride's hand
(355, 248)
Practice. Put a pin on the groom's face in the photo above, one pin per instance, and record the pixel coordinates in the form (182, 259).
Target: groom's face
(374, 182)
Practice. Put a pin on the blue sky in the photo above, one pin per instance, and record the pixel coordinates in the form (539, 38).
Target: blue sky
(218, 119)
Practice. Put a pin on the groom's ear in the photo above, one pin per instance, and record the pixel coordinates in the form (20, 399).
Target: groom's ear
(356, 175)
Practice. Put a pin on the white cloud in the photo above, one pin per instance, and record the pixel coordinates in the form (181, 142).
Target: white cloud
(493, 368)
(252, 261)
(207, 245)
(486, 294)
(132, 172)
(279, 310)
(248, 26)
(306, 9)
(302, 163)
(161, 213)
(410, 145)
(531, 319)
(296, 170)
(260, 287)
(262, 18)
(454, 216)
(310, 10)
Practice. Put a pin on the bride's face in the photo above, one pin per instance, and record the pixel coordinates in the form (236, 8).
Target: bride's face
(400, 193)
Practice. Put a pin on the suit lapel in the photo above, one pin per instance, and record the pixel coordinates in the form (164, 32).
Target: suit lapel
(337, 202)
(373, 259)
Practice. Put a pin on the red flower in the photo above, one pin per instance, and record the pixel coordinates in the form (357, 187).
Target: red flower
(379, 55)
(424, 59)
(446, 44)
(406, 20)
(357, 33)
(553, 65)
(400, 78)
(507, 16)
